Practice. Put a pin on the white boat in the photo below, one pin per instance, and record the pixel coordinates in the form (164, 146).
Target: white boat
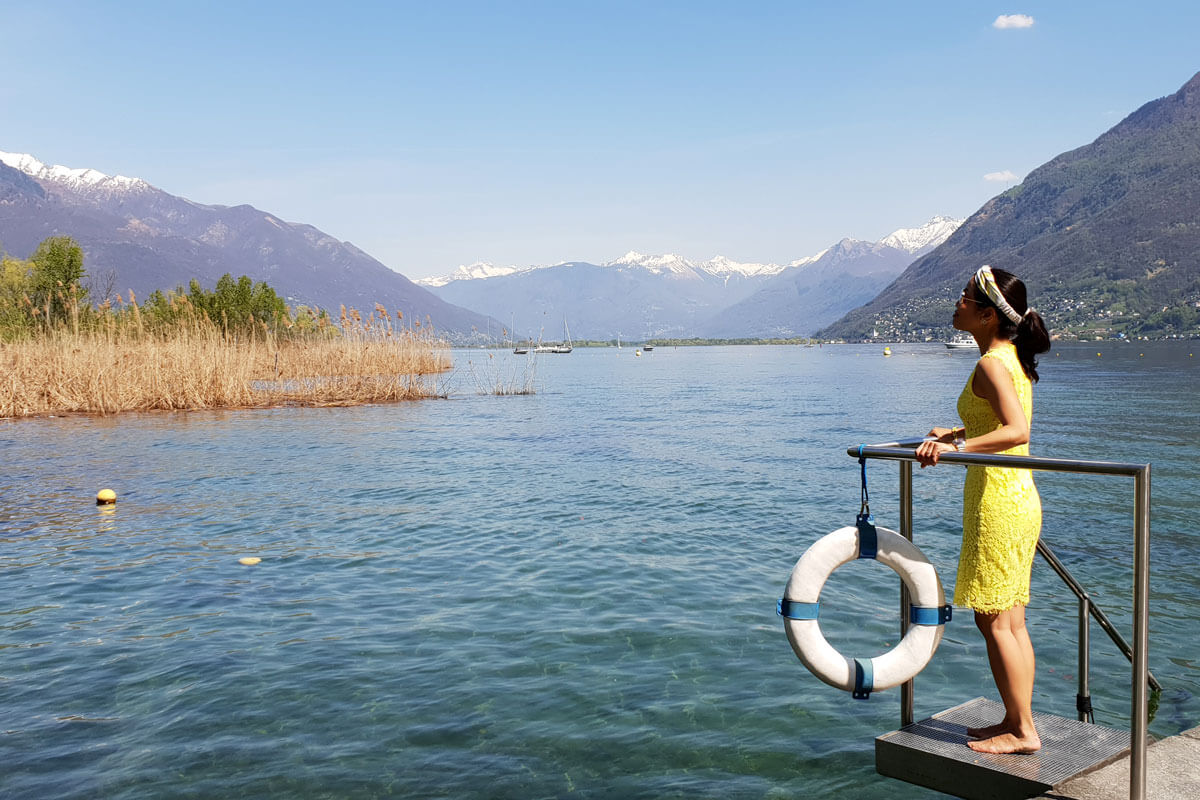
(562, 347)
(961, 343)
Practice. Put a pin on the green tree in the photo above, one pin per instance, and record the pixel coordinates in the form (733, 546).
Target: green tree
(267, 306)
(16, 283)
(200, 299)
(57, 275)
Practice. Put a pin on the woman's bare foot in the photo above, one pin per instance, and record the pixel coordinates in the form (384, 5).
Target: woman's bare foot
(1007, 743)
(988, 731)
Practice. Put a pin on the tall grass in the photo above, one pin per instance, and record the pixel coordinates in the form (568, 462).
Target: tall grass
(120, 362)
(510, 374)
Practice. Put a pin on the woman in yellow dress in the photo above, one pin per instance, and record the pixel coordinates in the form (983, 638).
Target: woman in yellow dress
(1002, 513)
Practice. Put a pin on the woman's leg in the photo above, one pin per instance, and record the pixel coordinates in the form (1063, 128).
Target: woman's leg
(1010, 654)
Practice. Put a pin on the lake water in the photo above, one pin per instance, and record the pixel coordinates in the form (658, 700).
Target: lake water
(570, 593)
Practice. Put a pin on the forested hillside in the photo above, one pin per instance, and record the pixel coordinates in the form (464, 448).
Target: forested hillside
(1106, 236)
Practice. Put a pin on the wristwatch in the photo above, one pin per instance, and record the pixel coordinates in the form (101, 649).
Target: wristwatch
(960, 442)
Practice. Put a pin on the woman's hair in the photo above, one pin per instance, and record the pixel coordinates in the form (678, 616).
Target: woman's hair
(1029, 335)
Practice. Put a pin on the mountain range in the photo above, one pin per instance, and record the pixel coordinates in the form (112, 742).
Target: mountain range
(138, 237)
(1106, 238)
(642, 296)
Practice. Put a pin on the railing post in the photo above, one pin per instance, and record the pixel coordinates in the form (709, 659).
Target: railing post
(906, 530)
(1083, 700)
(1141, 633)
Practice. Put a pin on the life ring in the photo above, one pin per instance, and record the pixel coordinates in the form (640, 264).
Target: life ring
(801, 604)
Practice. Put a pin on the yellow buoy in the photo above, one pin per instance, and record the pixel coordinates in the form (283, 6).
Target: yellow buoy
(106, 497)
(887, 351)
(249, 561)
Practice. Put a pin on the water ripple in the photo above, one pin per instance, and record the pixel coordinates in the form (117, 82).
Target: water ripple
(566, 593)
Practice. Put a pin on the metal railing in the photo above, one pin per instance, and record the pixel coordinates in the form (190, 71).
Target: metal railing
(903, 451)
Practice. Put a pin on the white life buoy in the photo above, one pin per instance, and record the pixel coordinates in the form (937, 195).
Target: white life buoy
(800, 606)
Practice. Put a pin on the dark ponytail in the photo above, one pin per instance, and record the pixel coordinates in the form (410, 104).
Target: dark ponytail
(1029, 335)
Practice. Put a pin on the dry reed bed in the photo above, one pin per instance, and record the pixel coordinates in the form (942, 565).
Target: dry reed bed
(197, 367)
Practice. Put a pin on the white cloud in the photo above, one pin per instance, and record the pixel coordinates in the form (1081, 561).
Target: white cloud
(1013, 21)
(1007, 176)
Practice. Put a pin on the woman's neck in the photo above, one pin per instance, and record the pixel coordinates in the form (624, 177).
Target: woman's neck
(988, 341)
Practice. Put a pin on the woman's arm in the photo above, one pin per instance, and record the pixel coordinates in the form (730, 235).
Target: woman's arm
(994, 383)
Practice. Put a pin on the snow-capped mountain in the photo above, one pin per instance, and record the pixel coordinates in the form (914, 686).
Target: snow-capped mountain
(480, 270)
(137, 237)
(719, 266)
(83, 181)
(922, 239)
(656, 264)
(802, 299)
(640, 295)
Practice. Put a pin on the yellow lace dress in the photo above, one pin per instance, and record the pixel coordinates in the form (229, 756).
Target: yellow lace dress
(1002, 513)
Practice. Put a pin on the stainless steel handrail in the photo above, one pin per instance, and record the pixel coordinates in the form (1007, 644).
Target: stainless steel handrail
(902, 451)
(1088, 608)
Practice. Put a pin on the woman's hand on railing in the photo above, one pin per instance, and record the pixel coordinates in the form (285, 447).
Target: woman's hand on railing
(929, 450)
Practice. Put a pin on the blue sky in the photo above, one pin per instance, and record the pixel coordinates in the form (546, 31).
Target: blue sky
(433, 134)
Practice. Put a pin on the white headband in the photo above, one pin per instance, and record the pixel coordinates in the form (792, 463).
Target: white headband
(986, 281)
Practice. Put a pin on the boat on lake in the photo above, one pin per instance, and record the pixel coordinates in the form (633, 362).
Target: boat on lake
(961, 343)
(561, 347)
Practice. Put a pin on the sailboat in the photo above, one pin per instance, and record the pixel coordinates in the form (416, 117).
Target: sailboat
(562, 347)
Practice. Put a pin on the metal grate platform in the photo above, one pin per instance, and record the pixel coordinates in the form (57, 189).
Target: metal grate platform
(933, 753)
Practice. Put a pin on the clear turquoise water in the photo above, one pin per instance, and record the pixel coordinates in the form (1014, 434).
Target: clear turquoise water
(564, 594)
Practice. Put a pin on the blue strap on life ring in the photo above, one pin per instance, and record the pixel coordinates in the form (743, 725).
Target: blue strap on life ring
(926, 615)
(864, 679)
(793, 609)
(868, 537)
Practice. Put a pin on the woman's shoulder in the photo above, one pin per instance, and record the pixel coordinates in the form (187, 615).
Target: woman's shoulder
(1000, 362)
(997, 362)
(1005, 353)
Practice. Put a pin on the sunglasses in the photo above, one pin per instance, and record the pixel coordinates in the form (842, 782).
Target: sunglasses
(963, 296)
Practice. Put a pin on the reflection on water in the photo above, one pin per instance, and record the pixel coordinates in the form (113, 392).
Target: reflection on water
(565, 593)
